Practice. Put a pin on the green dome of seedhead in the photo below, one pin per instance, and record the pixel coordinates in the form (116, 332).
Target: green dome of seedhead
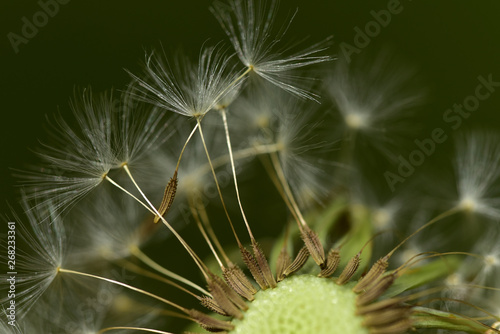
(302, 304)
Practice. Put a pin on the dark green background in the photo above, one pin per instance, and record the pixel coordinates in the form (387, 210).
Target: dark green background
(91, 42)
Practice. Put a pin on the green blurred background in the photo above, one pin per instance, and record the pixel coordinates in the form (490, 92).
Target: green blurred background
(89, 43)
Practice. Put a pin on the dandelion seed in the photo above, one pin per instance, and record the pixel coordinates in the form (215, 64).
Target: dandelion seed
(38, 265)
(269, 117)
(477, 169)
(188, 89)
(249, 26)
(376, 100)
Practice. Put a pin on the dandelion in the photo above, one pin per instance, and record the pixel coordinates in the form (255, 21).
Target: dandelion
(327, 268)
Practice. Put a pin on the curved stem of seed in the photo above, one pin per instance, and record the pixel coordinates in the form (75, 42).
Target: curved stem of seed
(240, 154)
(196, 217)
(272, 174)
(206, 222)
(235, 179)
(152, 264)
(149, 330)
(460, 301)
(146, 273)
(130, 287)
(484, 287)
(184, 147)
(195, 257)
(217, 183)
(434, 254)
(432, 221)
(445, 315)
(286, 188)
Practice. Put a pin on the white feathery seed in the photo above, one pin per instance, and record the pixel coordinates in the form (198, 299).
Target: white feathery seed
(375, 100)
(284, 124)
(41, 257)
(184, 87)
(249, 26)
(106, 137)
(477, 170)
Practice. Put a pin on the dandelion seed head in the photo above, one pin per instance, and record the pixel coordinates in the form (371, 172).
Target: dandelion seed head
(357, 120)
(187, 89)
(280, 121)
(375, 99)
(107, 137)
(477, 171)
(250, 27)
(38, 264)
(382, 218)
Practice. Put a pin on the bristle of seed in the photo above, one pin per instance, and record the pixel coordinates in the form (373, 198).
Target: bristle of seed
(209, 323)
(376, 290)
(168, 197)
(314, 245)
(254, 268)
(298, 262)
(212, 305)
(373, 274)
(237, 280)
(263, 264)
(349, 270)
(332, 262)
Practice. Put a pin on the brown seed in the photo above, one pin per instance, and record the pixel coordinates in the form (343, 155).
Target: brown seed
(254, 268)
(168, 197)
(222, 299)
(229, 292)
(397, 327)
(282, 263)
(332, 263)
(349, 270)
(212, 305)
(376, 289)
(381, 305)
(387, 317)
(373, 274)
(263, 264)
(237, 280)
(314, 245)
(299, 261)
(209, 323)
